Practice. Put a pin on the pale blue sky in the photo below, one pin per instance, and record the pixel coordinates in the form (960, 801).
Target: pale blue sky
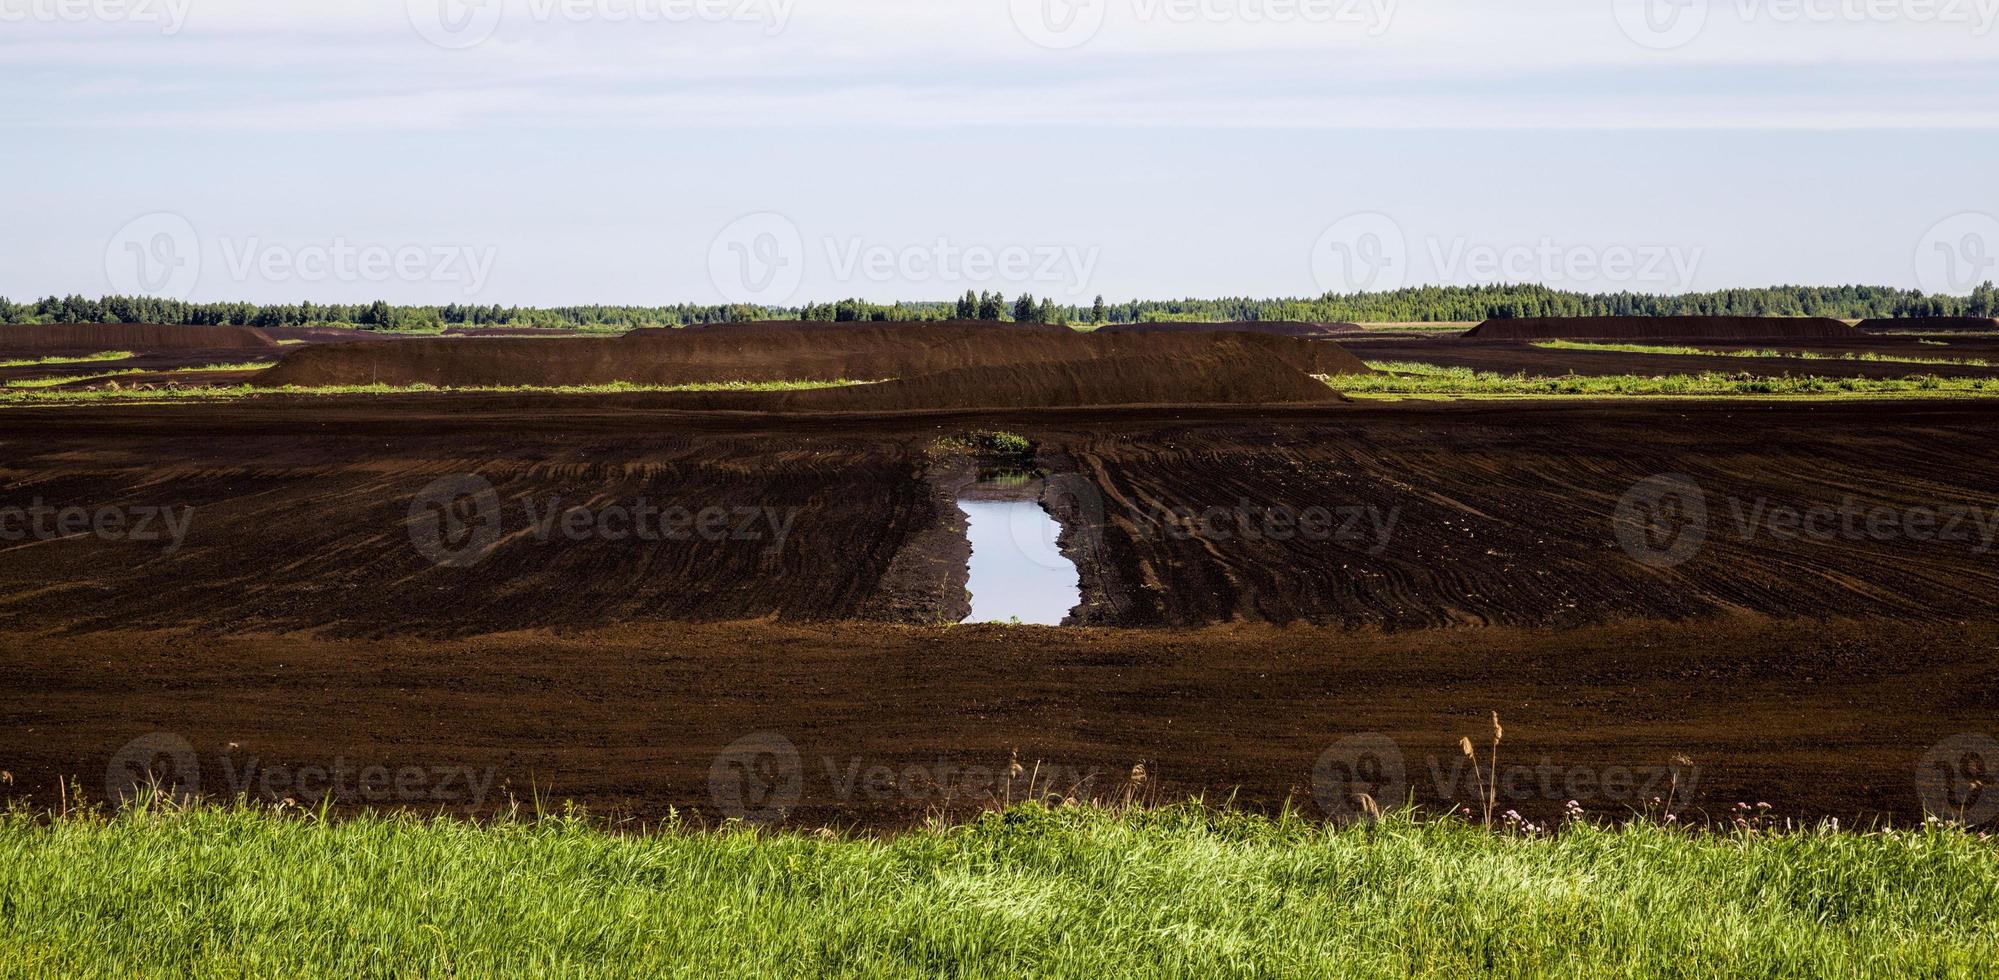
(566, 157)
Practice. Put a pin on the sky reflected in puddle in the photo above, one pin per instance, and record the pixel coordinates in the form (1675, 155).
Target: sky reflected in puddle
(1017, 571)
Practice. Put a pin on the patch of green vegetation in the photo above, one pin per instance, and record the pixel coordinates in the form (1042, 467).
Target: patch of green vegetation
(240, 366)
(200, 393)
(984, 443)
(1407, 378)
(1446, 327)
(109, 355)
(52, 382)
(1179, 891)
(1868, 356)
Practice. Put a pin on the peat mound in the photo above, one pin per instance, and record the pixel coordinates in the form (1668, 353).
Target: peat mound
(1931, 323)
(933, 367)
(1278, 328)
(325, 335)
(1661, 328)
(1220, 376)
(825, 326)
(130, 336)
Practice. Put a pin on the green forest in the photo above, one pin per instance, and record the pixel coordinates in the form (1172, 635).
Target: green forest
(1416, 304)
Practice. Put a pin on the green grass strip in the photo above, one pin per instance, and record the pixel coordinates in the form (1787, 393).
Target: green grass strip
(66, 379)
(1179, 892)
(1406, 378)
(109, 355)
(1865, 356)
(201, 393)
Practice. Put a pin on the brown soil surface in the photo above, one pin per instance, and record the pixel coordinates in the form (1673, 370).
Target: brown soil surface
(129, 336)
(1280, 328)
(1983, 323)
(304, 512)
(916, 326)
(1809, 673)
(892, 724)
(1659, 328)
(933, 365)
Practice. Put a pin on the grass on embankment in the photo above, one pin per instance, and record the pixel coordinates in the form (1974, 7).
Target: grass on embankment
(113, 375)
(74, 396)
(1798, 355)
(109, 355)
(1184, 891)
(1406, 379)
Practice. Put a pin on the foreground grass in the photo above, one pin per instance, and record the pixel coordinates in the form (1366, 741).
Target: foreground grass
(15, 395)
(1184, 891)
(1796, 355)
(1412, 379)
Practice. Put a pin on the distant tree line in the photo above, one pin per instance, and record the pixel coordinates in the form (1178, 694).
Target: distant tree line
(1416, 304)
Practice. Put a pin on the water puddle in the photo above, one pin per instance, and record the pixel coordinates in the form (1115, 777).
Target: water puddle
(1018, 573)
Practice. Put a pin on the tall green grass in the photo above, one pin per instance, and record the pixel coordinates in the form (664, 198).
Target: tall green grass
(1406, 378)
(1184, 891)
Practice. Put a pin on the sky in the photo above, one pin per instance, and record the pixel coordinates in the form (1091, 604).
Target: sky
(549, 152)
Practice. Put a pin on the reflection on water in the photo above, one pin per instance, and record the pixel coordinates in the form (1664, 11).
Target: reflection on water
(1017, 572)
(1006, 477)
